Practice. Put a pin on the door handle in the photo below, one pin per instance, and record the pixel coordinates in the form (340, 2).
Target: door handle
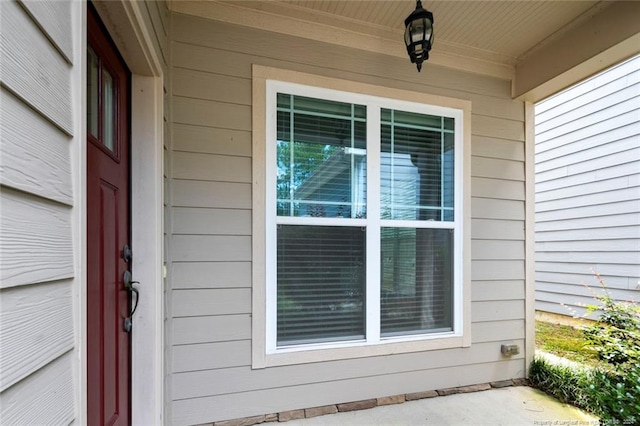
(128, 285)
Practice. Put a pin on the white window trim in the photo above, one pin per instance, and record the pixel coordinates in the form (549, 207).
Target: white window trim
(266, 82)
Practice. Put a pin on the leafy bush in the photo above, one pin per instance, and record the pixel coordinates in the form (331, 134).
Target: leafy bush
(615, 336)
(612, 390)
(616, 397)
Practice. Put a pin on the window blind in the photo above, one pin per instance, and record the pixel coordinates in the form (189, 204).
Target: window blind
(321, 284)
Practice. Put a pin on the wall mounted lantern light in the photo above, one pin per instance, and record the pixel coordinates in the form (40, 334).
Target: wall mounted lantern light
(418, 35)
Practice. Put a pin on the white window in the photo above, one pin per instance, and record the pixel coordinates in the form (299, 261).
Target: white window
(362, 225)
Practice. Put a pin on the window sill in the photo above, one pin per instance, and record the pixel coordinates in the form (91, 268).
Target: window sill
(317, 353)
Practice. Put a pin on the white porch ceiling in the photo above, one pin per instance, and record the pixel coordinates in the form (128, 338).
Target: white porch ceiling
(507, 29)
(489, 37)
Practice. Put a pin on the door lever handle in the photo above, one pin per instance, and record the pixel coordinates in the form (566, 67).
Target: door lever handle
(128, 285)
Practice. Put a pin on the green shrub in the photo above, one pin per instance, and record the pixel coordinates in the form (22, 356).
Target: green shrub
(616, 397)
(611, 390)
(615, 336)
(568, 384)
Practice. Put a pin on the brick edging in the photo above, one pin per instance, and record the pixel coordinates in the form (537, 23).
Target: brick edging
(366, 404)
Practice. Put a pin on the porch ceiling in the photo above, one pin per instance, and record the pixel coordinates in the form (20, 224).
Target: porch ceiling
(498, 38)
(483, 29)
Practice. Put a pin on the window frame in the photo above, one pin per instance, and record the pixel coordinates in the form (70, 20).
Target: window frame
(267, 82)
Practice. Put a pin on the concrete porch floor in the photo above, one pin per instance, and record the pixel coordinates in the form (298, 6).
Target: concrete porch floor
(519, 405)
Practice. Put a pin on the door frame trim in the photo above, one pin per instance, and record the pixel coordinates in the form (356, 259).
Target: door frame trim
(125, 23)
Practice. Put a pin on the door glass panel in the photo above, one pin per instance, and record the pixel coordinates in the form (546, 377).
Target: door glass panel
(92, 93)
(108, 108)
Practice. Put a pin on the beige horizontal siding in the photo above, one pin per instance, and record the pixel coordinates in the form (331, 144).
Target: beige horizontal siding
(231, 63)
(202, 302)
(206, 221)
(242, 379)
(497, 229)
(487, 208)
(211, 194)
(221, 328)
(497, 250)
(211, 356)
(210, 186)
(482, 146)
(211, 140)
(234, 405)
(211, 274)
(211, 248)
(221, 168)
(497, 168)
(229, 38)
(498, 331)
(497, 290)
(497, 188)
(200, 112)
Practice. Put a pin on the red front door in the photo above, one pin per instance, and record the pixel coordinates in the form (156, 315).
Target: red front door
(108, 230)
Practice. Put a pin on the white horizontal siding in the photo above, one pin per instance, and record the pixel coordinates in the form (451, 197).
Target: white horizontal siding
(38, 74)
(588, 191)
(38, 357)
(54, 17)
(44, 398)
(603, 268)
(587, 291)
(210, 187)
(579, 94)
(585, 225)
(36, 244)
(627, 130)
(561, 179)
(34, 154)
(594, 130)
(36, 327)
(587, 279)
